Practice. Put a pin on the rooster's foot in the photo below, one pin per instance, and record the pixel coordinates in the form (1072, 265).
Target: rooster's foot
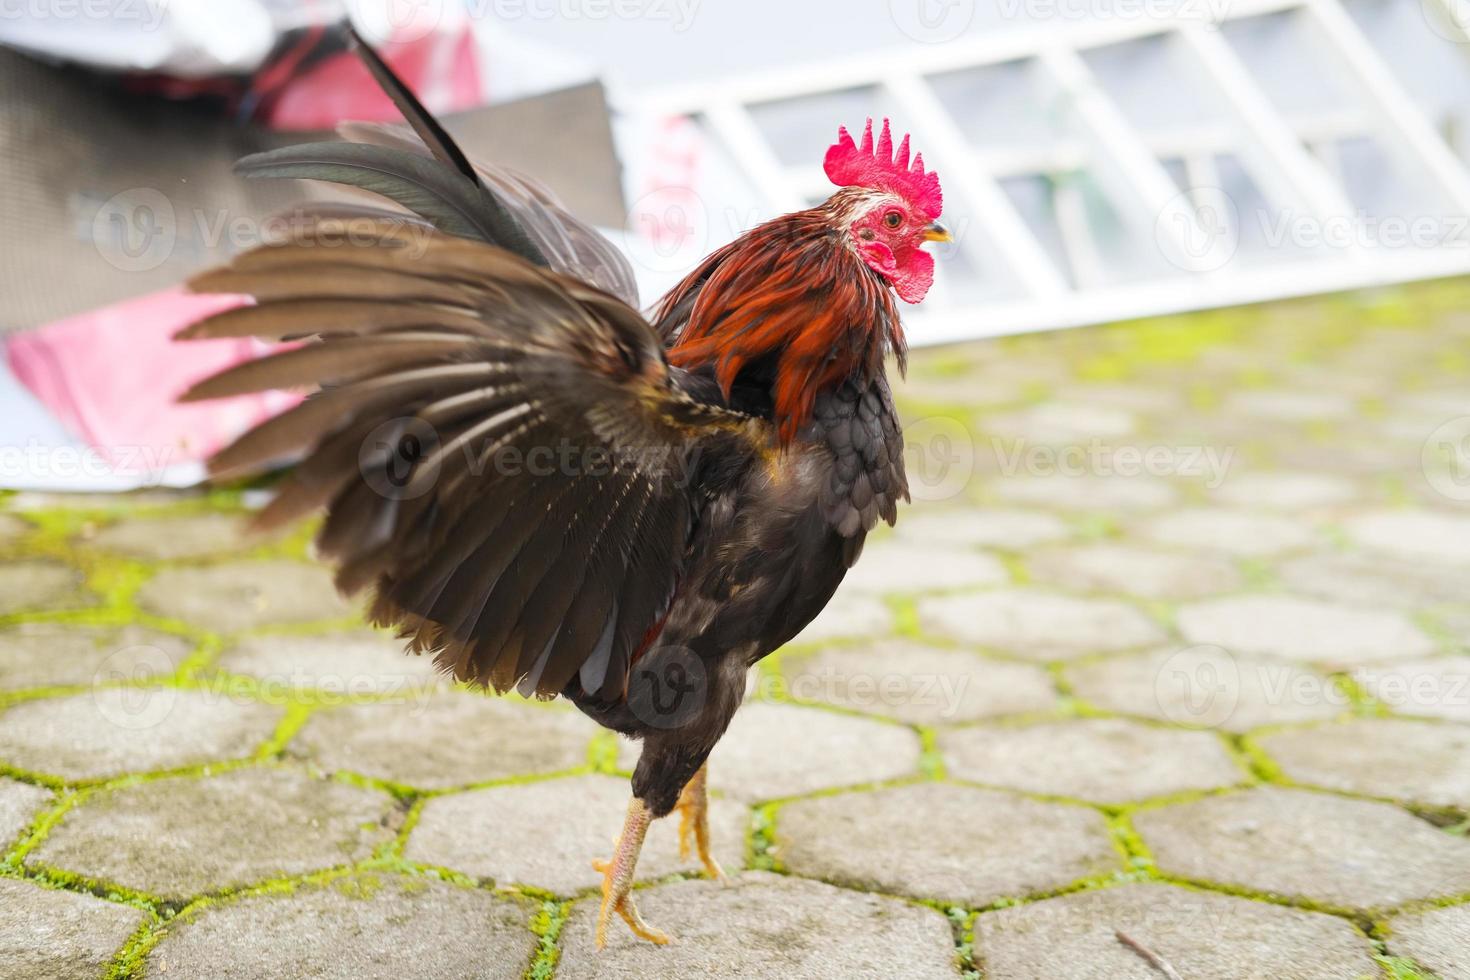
(694, 823)
(617, 879)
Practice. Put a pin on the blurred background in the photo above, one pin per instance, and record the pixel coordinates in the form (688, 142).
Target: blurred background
(1102, 160)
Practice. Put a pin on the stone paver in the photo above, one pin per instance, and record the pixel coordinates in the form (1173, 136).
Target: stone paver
(547, 833)
(1284, 491)
(1114, 569)
(168, 538)
(1106, 760)
(1087, 493)
(1040, 625)
(347, 664)
(919, 684)
(849, 614)
(49, 934)
(1402, 760)
(1061, 422)
(890, 566)
(945, 842)
(765, 927)
(1009, 530)
(239, 595)
(179, 837)
(1243, 533)
(66, 655)
(362, 926)
(1206, 686)
(1347, 853)
(777, 750)
(1438, 938)
(1437, 688)
(32, 586)
(1415, 534)
(1303, 629)
(1202, 935)
(1374, 580)
(446, 740)
(113, 731)
(19, 803)
(12, 529)
(1287, 405)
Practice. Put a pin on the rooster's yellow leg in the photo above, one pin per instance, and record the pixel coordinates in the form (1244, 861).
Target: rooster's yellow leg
(694, 822)
(617, 878)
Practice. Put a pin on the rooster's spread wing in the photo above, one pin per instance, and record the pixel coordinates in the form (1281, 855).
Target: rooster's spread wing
(423, 170)
(502, 449)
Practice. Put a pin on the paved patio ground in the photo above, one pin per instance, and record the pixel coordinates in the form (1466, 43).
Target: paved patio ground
(1165, 670)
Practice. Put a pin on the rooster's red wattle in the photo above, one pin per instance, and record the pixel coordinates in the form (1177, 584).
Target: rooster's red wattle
(550, 492)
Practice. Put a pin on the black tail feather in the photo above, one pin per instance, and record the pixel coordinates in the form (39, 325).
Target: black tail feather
(445, 190)
(435, 138)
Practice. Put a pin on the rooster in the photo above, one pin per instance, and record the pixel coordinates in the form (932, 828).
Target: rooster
(544, 488)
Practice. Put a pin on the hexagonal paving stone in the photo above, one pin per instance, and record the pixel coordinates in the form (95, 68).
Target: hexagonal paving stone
(1289, 405)
(1414, 534)
(777, 750)
(1436, 688)
(891, 567)
(1086, 493)
(49, 934)
(61, 655)
(1060, 422)
(1038, 624)
(1230, 531)
(946, 842)
(353, 663)
(919, 684)
(1284, 491)
(848, 614)
(1366, 459)
(446, 740)
(1108, 760)
(1208, 687)
(1347, 853)
(1413, 761)
(182, 836)
(33, 586)
(19, 803)
(1359, 578)
(547, 833)
(1202, 935)
(112, 731)
(12, 528)
(1302, 629)
(764, 927)
(1438, 938)
(364, 925)
(1122, 570)
(180, 536)
(239, 595)
(1010, 530)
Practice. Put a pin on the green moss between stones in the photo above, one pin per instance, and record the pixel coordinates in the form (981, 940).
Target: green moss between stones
(547, 924)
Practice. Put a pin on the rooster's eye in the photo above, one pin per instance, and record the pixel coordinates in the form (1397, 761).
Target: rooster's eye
(893, 219)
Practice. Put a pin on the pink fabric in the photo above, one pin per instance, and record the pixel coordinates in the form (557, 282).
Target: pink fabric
(442, 68)
(113, 376)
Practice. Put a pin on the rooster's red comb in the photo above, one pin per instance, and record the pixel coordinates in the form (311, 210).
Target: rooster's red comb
(850, 165)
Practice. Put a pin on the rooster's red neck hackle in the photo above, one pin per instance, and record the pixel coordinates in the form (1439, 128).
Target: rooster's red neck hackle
(808, 299)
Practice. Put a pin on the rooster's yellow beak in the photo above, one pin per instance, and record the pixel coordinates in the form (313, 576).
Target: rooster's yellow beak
(937, 233)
